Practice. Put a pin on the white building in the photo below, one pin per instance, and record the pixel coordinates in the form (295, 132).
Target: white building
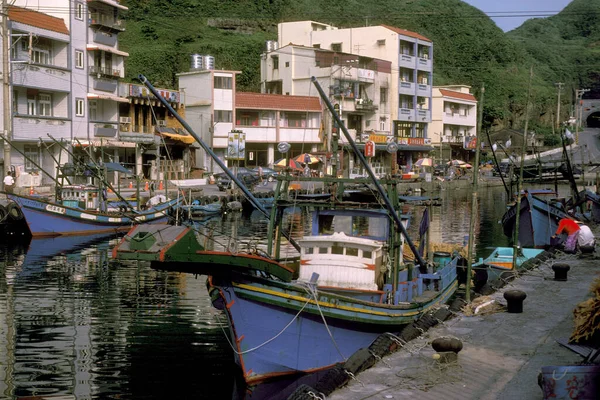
(214, 108)
(409, 87)
(454, 121)
(65, 66)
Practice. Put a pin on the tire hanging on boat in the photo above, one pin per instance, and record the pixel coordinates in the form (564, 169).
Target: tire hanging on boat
(14, 212)
(3, 213)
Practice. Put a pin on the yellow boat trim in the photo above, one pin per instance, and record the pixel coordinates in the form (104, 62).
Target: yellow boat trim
(321, 303)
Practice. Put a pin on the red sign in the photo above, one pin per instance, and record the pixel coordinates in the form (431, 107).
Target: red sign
(370, 149)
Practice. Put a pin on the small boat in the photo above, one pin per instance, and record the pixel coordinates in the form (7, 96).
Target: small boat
(82, 210)
(299, 306)
(12, 221)
(197, 210)
(538, 219)
(501, 261)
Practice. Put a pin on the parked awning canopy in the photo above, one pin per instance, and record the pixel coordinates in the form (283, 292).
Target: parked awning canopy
(173, 134)
(107, 97)
(107, 49)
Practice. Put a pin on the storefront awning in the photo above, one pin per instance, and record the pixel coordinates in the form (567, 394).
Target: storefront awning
(93, 96)
(173, 134)
(107, 49)
(103, 143)
(401, 147)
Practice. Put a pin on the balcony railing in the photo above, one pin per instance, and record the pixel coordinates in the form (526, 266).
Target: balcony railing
(109, 21)
(365, 105)
(106, 72)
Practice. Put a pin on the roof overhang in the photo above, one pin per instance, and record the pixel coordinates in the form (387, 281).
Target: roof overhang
(93, 96)
(92, 47)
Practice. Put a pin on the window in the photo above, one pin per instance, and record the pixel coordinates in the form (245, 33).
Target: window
(32, 155)
(382, 123)
(295, 120)
(367, 254)
(287, 64)
(406, 101)
(422, 103)
(275, 62)
(403, 129)
(383, 94)
(93, 110)
(222, 116)
(248, 118)
(336, 46)
(406, 75)
(39, 56)
(15, 102)
(79, 107)
(420, 131)
(31, 105)
(79, 11)
(223, 82)
(317, 46)
(79, 59)
(45, 104)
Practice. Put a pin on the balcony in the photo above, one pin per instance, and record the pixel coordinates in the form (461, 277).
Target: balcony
(423, 90)
(423, 115)
(42, 77)
(105, 72)
(105, 130)
(406, 87)
(105, 85)
(365, 105)
(424, 64)
(406, 114)
(98, 19)
(458, 119)
(29, 127)
(105, 38)
(459, 139)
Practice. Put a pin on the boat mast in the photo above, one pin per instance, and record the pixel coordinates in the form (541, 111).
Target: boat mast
(520, 181)
(474, 195)
(365, 164)
(217, 160)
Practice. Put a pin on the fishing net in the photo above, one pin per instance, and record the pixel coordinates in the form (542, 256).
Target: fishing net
(587, 318)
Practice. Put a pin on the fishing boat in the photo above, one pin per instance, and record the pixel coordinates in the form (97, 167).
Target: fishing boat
(201, 208)
(538, 219)
(304, 305)
(79, 212)
(501, 260)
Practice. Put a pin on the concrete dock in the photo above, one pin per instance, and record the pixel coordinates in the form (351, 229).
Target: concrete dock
(503, 352)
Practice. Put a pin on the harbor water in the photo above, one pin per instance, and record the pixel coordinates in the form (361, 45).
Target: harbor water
(76, 324)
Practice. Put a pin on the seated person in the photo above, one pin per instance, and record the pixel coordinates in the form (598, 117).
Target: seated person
(585, 239)
(571, 228)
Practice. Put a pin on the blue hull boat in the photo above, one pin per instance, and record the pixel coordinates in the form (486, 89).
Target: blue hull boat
(538, 220)
(47, 219)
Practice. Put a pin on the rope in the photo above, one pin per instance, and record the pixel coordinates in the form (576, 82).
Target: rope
(267, 341)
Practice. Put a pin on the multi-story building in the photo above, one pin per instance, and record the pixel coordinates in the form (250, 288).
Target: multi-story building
(409, 87)
(454, 122)
(214, 109)
(65, 66)
(358, 86)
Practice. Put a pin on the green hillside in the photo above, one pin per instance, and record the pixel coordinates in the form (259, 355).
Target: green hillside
(468, 47)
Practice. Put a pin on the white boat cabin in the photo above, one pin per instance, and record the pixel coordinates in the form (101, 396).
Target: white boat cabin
(346, 249)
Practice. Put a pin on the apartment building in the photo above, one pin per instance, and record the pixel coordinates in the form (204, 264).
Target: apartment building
(358, 86)
(214, 109)
(64, 70)
(454, 122)
(408, 89)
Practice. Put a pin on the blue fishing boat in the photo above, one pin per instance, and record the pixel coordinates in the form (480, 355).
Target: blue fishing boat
(301, 305)
(538, 220)
(501, 261)
(82, 210)
(197, 210)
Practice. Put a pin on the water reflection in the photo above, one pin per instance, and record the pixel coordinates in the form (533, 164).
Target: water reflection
(76, 323)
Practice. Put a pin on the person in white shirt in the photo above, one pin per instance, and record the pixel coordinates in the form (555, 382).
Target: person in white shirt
(9, 183)
(585, 239)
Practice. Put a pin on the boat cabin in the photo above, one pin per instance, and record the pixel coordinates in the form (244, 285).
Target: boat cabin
(345, 248)
(80, 196)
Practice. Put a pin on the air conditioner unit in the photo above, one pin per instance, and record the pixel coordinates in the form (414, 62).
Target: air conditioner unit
(125, 120)
(161, 122)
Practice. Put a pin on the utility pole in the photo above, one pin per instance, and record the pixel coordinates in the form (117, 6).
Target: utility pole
(578, 111)
(6, 86)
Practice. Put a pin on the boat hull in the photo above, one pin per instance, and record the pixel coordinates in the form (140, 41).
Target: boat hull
(538, 221)
(46, 219)
(280, 329)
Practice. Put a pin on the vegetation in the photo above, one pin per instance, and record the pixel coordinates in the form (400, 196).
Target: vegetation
(468, 47)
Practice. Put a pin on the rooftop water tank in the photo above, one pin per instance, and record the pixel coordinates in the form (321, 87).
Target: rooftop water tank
(202, 62)
(271, 45)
